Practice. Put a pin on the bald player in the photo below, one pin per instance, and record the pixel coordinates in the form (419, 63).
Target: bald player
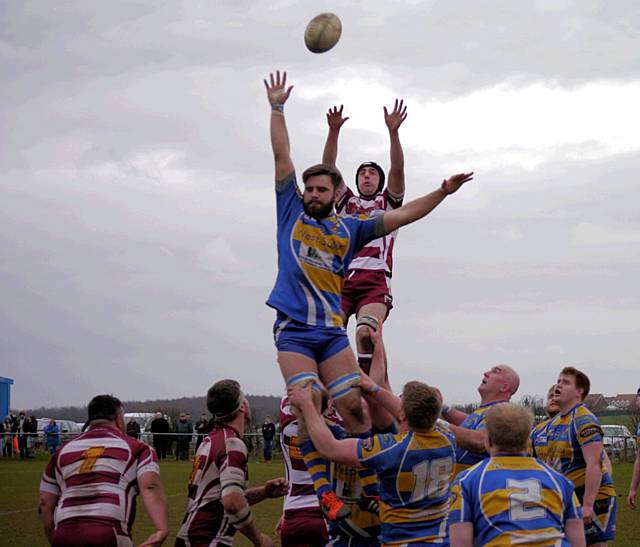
(498, 385)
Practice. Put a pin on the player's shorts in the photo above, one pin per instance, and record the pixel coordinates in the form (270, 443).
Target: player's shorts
(365, 287)
(304, 528)
(603, 525)
(317, 343)
(86, 532)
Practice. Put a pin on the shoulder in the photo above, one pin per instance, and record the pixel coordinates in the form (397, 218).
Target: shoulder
(287, 184)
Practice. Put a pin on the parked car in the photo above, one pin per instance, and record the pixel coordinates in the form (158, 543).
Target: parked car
(68, 429)
(618, 442)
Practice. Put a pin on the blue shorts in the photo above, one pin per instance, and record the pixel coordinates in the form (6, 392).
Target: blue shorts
(317, 343)
(603, 525)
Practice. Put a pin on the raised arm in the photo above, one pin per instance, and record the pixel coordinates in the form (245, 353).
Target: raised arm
(381, 396)
(335, 120)
(421, 207)
(469, 439)
(396, 170)
(277, 94)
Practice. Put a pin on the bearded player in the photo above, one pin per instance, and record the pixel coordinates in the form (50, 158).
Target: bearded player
(367, 288)
(315, 247)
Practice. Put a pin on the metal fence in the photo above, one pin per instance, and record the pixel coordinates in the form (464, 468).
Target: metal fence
(621, 449)
(37, 442)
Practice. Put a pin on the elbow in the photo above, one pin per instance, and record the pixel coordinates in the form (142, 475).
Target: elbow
(233, 503)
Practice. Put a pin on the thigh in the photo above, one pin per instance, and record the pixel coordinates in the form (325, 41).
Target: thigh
(292, 363)
(338, 365)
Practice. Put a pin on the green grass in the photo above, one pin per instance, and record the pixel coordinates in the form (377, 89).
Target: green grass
(20, 527)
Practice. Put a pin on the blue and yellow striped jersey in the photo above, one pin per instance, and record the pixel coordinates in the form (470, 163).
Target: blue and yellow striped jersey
(313, 256)
(514, 500)
(415, 472)
(566, 435)
(475, 421)
(538, 440)
(361, 528)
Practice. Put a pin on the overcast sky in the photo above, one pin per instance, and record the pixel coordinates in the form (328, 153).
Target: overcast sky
(137, 218)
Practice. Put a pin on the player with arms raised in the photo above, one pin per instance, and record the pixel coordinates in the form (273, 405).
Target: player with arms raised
(367, 290)
(315, 247)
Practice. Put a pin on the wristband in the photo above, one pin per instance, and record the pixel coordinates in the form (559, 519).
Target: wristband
(373, 390)
(445, 409)
(277, 108)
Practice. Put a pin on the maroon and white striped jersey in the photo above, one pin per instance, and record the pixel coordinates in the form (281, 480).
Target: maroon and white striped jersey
(220, 467)
(96, 475)
(377, 254)
(301, 493)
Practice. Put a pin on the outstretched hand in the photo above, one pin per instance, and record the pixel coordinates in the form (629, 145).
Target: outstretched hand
(397, 116)
(334, 117)
(277, 93)
(454, 182)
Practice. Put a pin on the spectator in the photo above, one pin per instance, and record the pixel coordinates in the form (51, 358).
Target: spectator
(3, 430)
(133, 429)
(160, 429)
(184, 432)
(268, 433)
(22, 437)
(202, 429)
(52, 435)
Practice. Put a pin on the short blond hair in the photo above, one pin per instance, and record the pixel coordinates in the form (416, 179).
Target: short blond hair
(509, 426)
(421, 405)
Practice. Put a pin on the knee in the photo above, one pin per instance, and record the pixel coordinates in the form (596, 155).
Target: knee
(363, 335)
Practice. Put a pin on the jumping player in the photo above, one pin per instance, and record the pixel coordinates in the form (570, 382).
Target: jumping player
(314, 248)
(511, 498)
(367, 287)
(575, 449)
(218, 502)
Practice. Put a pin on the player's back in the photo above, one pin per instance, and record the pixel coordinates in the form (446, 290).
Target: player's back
(415, 472)
(221, 460)
(96, 474)
(514, 500)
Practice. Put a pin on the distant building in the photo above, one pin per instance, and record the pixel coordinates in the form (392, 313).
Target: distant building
(623, 401)
(5, 396)
(596, 402)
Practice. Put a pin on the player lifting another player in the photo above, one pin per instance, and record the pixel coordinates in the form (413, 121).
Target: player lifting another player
(315, 247)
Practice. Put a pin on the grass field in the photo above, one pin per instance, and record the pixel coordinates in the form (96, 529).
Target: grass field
(20, 527)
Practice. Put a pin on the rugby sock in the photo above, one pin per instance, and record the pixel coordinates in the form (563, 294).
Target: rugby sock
(317, 467)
